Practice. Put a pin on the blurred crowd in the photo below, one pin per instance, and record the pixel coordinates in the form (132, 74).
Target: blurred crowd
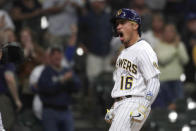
(68, 46)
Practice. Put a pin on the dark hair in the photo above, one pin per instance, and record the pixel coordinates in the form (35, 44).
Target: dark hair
(55, 49)
(31, 33)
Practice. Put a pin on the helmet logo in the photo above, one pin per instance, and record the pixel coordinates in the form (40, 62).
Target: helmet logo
(119, 12)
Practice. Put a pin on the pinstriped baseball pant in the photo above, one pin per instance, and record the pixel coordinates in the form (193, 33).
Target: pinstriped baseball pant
(122, 120)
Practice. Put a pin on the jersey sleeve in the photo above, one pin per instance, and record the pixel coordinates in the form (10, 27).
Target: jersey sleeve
(148, 63)
(152, 90)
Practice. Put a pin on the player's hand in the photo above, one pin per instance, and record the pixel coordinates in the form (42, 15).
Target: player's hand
(139, 114)
(109, 116)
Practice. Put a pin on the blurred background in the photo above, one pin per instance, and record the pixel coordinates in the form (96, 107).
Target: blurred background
(76, 35)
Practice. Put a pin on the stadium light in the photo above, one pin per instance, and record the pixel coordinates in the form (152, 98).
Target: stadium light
(182, 77)
(191, 104)
(173, 116)
(44, 22)
(79, 51)
(193, 122)
(186, 128)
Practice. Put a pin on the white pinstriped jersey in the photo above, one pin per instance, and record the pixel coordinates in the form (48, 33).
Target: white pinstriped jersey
(134, 66)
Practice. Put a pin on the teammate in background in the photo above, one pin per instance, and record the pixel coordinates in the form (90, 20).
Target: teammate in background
(136, 76)
(55, 86)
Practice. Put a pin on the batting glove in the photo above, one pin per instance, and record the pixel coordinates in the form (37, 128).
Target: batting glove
(109, 116)
(139, 114)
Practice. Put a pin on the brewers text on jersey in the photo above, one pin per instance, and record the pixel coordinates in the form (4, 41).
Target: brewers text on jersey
(127, 65)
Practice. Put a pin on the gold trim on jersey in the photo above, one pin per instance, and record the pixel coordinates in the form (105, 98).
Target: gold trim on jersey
(155, 65)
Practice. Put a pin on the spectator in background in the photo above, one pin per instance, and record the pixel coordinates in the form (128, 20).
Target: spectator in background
(96, 38)
(8, 93)
(5, 21)
(117, 4)
(55, 86)
(27, 13)
(145, 13)
(62, 16)
(190, 6)
(6, 5)
(193, 44)
(188, 32)
(1, 40)
(154, 35)
(34, 55)
(33, 81)
(156, 5)
(172, 56)
(70, 48)
(174, 11)
(9, 35)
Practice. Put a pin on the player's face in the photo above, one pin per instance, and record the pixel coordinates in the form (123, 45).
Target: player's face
(125, 30)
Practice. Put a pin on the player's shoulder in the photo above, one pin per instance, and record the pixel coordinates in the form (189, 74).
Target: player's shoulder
(143, 45)
(145, 49)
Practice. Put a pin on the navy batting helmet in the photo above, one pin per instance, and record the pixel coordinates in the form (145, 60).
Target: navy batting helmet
(126, 14)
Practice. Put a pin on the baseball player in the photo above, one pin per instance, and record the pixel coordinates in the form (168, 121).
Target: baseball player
(136, 75)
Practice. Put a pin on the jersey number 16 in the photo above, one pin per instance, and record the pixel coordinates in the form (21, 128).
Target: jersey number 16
(126, 82)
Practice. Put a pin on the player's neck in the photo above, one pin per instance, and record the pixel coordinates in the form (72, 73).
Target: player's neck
(132, 41)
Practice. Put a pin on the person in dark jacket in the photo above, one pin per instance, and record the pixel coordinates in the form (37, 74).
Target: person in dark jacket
(55, 86)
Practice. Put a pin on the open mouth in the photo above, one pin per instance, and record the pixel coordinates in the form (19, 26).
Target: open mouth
(120, 35)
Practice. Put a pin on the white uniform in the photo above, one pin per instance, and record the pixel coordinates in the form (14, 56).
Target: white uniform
(134, 67)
